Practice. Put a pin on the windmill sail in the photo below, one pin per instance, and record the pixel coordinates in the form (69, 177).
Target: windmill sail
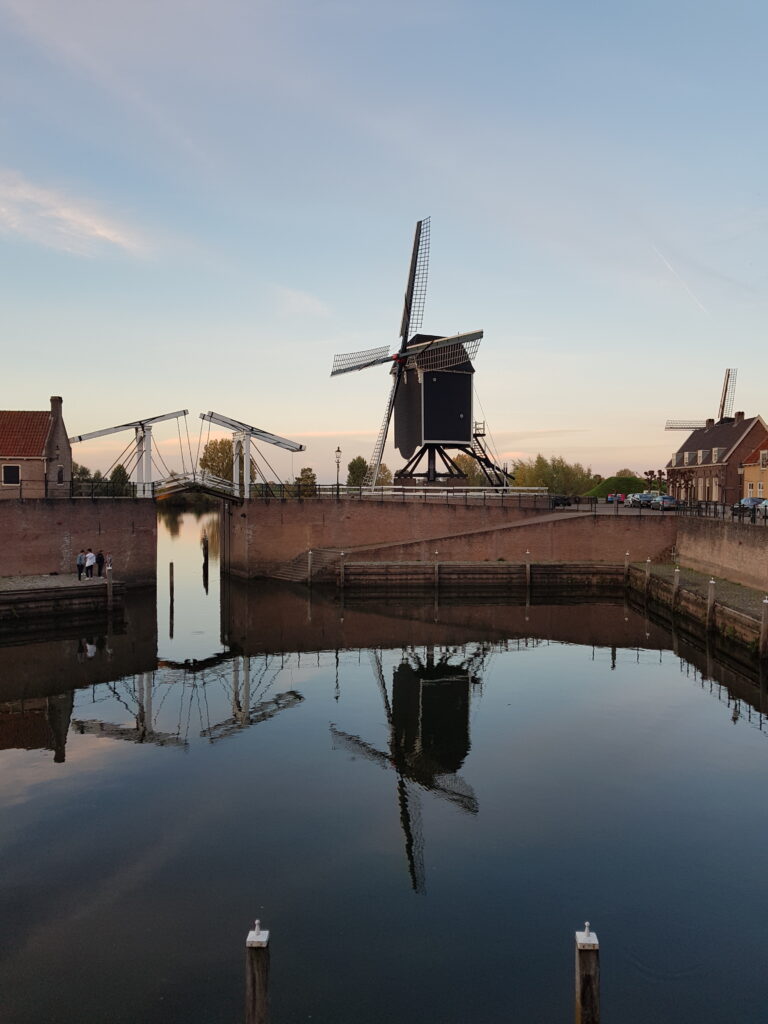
(444, 353)
(346, 362)
(729, 392)
(416, 288)
(372, 472)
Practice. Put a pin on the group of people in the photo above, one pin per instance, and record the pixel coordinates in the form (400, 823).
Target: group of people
(86, 560)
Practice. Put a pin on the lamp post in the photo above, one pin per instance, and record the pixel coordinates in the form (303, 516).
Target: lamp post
(338, 464)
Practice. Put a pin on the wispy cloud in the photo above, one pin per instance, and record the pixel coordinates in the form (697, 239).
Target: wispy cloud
(58, 221)
(298, 303)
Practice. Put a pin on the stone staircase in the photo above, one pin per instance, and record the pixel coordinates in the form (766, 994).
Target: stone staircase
(324, 563)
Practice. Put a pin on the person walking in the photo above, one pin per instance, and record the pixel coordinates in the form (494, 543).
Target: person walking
(100, 562)
(90, 561)
(80, 563)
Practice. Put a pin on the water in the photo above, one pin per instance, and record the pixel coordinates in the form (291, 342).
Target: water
(427, 802)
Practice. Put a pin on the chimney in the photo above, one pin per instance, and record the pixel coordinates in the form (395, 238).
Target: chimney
(56, 404)
(710, 423)
(739, 417)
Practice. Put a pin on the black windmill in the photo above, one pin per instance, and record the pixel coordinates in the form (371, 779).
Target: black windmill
(431, 392)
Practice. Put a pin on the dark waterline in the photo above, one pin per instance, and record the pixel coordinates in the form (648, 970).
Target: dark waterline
(421, 800)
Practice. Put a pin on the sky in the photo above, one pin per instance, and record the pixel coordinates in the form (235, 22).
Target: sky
(200, 203)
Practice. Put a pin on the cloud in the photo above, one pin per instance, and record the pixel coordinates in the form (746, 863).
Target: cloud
(297, 303)
(55, 220)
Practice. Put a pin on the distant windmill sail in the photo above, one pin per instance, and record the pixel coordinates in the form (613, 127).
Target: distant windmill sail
(725, 411)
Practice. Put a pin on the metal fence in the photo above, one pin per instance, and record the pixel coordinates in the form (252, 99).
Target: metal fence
(724, 511)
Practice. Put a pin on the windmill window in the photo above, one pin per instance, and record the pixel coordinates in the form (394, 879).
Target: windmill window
(11, 475)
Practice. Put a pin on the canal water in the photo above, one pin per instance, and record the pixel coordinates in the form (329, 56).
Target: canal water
(421, 799)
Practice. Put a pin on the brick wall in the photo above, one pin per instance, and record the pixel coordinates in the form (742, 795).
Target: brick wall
(44, 536)
(266, 535)
(735, 551)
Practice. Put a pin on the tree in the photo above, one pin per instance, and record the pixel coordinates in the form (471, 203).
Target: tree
(626, 472)
(555, 474)
(470, 466)
(385, 475)
(119, 479)
(217, 458)
(306, 481)
(356, 471)
(80, 472)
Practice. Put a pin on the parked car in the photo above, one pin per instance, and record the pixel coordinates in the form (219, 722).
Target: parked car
(746, 506)
(665, 502)
(641, 500)
(559, 499)
(617, 499)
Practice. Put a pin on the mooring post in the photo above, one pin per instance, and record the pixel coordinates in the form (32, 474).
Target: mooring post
(626, 568)
(647, 575)
(309, 567)
(110, 597)
(527, 571)
(711, 606)
(341, 571)
(437, 570)
(763, 646)
(675, 587)
(170, 614)
(587, 977)
(257, 976)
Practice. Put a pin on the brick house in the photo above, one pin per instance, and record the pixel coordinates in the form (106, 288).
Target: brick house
(35, 453)
(706, 465)
(755, 473)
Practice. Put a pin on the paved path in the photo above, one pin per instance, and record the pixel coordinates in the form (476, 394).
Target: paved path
(732, 595)
(14, 584)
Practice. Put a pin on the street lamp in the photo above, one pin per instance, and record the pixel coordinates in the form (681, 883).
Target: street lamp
(338, 464)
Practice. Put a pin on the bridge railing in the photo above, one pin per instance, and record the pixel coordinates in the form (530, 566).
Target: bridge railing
(507, 497)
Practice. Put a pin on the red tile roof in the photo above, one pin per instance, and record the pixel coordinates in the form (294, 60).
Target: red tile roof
(755, 455)
(23, 434)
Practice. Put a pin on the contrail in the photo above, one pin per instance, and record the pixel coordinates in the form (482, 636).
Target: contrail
(675, 274)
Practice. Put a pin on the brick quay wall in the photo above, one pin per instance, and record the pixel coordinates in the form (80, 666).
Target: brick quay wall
(44, 536)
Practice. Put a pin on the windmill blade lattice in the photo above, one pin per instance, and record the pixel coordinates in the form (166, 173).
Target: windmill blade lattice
(416, 289)
(346, 362)
(445, 352)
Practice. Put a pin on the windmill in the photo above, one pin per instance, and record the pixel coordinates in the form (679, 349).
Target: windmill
(428, 720)
(724, 413)
(431, 390)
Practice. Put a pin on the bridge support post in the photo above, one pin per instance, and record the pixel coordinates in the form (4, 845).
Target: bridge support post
(148, 462)
(139, 462)
(237, 446)
(246, 442)
(257, 976)
(587, 977)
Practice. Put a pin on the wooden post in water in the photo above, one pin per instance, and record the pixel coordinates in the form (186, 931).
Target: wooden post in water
(309, 567)
(341, 571)
(676, 588)
(587, 977)
(110, 596)
(626, 569)
(257, 976)
(437, 571)
(527, 571)
(170, 616)
(763, 646)
(711, 606)
(647, 576)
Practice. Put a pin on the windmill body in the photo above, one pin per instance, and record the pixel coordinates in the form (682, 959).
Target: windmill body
(431, 390)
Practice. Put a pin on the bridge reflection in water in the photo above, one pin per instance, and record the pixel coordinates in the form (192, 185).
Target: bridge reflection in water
(266, 630)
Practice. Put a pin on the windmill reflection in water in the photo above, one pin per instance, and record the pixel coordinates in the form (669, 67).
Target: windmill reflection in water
(428, 724)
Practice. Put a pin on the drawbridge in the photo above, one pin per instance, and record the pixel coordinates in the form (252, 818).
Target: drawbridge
(146, 472)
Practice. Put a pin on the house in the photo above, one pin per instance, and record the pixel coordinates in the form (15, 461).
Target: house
(35, 453)
(706, 466)
(754, 471)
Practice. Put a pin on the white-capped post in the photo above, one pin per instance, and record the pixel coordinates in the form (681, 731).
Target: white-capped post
(257, 976)
(587, 977)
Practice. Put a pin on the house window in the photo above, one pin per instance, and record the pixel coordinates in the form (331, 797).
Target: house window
(60, 475)
(700, 488)
(760, 488)
(750, 490)
(715, 489)
(12, 475)
(763, 460)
